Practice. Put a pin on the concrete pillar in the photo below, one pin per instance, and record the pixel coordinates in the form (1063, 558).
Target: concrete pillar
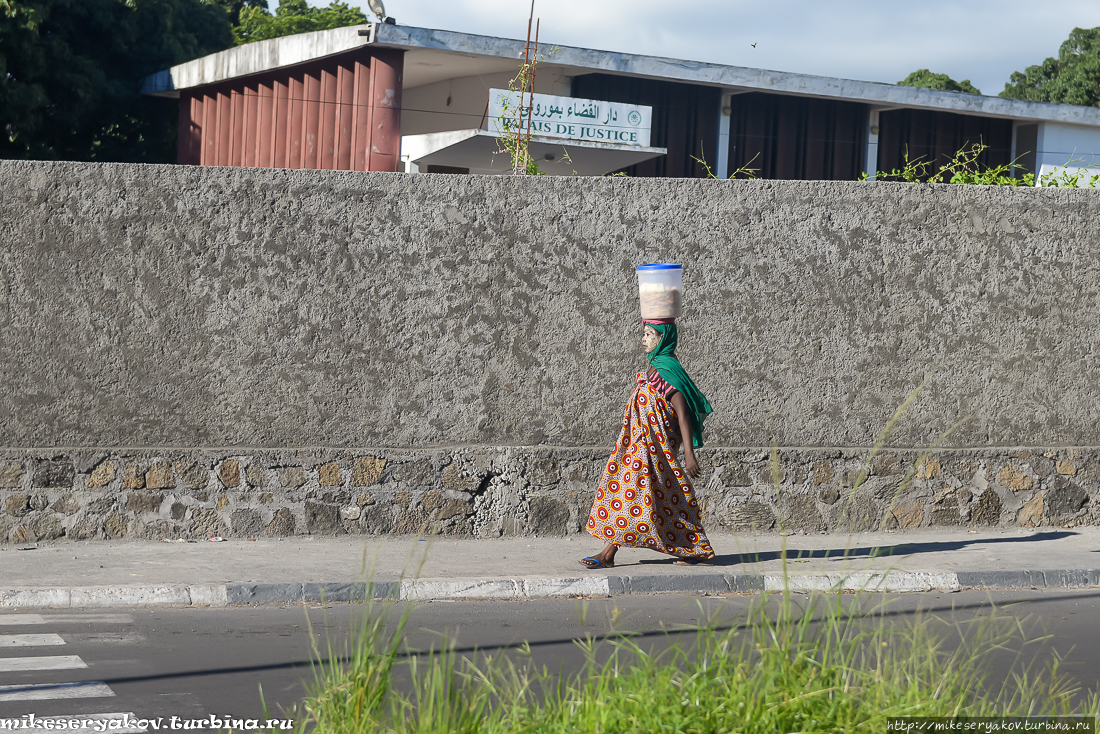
(870, 165)
(721, 167)
(383, 151)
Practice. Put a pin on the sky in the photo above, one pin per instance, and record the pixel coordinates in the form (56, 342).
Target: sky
(980, 40)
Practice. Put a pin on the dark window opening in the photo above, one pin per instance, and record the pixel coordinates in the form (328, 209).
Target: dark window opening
(938, 136)
(433, 168)
(784, 137)
(1027, 143)
(685, 121)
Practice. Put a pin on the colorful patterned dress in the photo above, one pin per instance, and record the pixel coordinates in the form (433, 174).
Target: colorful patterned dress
(645, 499)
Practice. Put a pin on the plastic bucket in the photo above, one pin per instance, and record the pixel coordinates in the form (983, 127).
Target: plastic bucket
(660, 289)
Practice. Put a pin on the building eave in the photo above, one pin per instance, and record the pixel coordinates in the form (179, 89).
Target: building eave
(262, 56)
(255, 58)
(742, 78)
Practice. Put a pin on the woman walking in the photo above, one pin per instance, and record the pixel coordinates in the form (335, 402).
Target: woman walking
(645, 498)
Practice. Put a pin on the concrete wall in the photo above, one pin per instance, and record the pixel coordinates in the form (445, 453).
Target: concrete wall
(149, 313)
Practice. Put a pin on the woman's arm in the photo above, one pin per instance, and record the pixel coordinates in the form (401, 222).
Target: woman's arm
(681, 407)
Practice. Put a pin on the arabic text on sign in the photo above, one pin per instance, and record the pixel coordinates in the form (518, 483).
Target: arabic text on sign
(570, 118)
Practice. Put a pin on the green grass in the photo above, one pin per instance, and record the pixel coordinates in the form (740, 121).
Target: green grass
(779, 668)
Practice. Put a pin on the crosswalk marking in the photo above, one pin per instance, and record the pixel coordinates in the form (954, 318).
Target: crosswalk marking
(86, 618)
(12, 620)
(51, 662)
(49, 691)
(108, 638)
(30, 640)
(89, 723)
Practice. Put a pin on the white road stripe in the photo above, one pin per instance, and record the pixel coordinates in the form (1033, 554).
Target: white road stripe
(51, 662)
(88, 723)
(86, 618)
(12, 620)
(50, 691)
(30, 640)
(109, 638)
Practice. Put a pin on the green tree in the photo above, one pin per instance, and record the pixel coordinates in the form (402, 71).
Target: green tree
(929, 80)
(71, 73)
(1072, 78)
(293, 16)
(234, 7)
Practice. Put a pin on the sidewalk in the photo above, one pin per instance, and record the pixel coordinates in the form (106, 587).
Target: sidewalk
(291, 570)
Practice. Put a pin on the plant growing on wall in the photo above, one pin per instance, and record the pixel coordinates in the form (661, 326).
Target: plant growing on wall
(965, 167)
(745, 171)
(517, 145)
(1071, 177)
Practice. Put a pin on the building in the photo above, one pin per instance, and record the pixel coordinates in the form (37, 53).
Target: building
(385, 97)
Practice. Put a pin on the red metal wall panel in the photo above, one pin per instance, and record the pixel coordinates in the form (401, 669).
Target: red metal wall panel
(190, 132)
(224, 128)
(265, 120)
(209, 129)
(279, 118)
(250, 127)
(360, 135)
(342, 113)
(345, 116)
(295, 117)
(384, 146)
(311, 109)
(329, 101)
(236, 125)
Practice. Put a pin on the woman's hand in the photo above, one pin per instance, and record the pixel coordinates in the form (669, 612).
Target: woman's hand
(691, 465)
(680, 406)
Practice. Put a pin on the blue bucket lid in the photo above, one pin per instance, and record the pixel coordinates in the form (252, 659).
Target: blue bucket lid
(661, 266)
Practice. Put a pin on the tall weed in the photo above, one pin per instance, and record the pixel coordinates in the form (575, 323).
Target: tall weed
(824, 666)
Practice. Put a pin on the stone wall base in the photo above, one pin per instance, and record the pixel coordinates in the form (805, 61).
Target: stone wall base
(492, 491)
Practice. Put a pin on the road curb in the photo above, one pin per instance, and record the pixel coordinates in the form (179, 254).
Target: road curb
(254, 594)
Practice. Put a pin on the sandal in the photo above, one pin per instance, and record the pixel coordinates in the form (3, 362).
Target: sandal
(593, 562)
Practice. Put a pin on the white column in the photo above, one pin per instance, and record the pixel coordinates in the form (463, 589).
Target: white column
(1040, 154)
(406, 158)
(871, 166)
(1012, 152)
(721, 167)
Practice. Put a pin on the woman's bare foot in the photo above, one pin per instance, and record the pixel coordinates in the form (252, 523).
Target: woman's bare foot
(694, 560)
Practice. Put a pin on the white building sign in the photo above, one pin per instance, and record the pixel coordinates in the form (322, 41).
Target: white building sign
(570, 118)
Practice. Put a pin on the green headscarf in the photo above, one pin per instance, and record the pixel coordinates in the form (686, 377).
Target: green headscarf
(664, 360)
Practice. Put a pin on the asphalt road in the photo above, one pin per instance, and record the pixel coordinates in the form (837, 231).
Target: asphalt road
(194, 663)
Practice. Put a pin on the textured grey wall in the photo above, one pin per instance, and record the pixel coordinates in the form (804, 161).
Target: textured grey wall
(155, 306)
